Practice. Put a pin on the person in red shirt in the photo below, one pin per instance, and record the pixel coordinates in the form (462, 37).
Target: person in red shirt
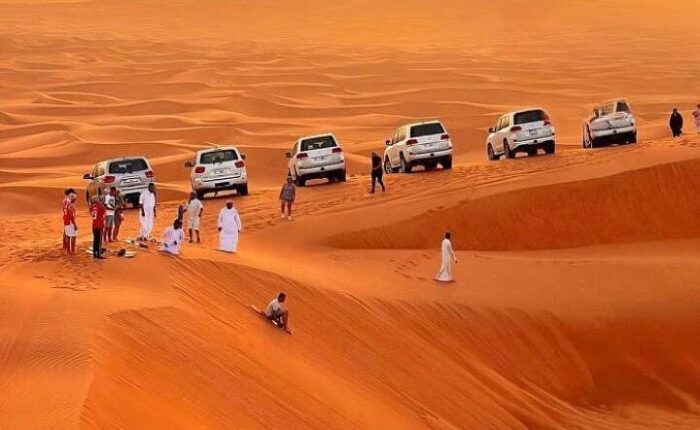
(70, 228)
(97, 211)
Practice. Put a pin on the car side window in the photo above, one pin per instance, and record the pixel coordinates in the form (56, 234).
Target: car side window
(94, 171)
(402, 134)
(101, 170)
(499, 124)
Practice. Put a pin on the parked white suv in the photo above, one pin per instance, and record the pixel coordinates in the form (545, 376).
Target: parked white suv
(218, 169)
(522, 131)
(131, 175)
(611, 122)
(425, 143)
(315, 157)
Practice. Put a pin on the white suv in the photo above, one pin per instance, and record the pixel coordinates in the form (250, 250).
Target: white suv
(522, 131)
(315, 157)
(131, 175)
(218, 169)
(611, 122)
(423, 143)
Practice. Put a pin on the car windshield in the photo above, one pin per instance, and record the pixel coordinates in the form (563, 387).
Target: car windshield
(427, 129)
(218, 156)
(318, 143)
(128, 166)
(529, 116)
(623, 107)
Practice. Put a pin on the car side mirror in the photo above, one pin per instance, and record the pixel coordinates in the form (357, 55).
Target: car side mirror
(189, 164)
(287, 155)
(387, 142)
(243, 157)
(87, 176)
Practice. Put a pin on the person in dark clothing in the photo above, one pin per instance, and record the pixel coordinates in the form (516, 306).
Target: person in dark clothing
(97, 211)
(377, 172)
(676, 123)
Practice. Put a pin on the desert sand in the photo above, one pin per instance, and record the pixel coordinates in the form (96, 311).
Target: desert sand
(576, 303)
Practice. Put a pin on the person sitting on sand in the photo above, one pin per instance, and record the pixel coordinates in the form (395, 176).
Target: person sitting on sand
(448, 256)
(277, 312)
(288, 194)
(172, 238)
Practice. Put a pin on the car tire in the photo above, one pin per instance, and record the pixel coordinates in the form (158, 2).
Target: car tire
(532, 152)
(200, 195)
(507, 151)
(242, 190)
(446, 162)
(491, 153)
(549, 148)
(342, 176)
(633, 139)
(431, 165)
(406, 167)
(300, 181)
(387, 166)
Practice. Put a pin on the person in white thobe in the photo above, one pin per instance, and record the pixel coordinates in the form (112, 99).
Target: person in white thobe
(147, 202)
(172, 238)
(448, 257)
(229, 227)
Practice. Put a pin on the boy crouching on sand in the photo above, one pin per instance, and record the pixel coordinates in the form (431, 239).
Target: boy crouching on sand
(277, 312)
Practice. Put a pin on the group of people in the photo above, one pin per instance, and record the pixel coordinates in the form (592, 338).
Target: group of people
(675, 122)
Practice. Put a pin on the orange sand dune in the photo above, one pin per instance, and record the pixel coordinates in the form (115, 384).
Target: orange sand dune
(576, 299)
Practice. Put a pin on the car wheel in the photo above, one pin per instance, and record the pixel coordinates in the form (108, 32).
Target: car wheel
(633, 139)
(531, 152)
(447, 162)
(507, 151)
(342, 176)
(387, 166)
(243, 190)
(406, 167)
(430, 165)
(200, 195)
(549, 148)
(491, 154)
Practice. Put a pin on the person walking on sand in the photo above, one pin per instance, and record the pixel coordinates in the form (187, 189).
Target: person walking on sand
(676, 123)
(97, 212)
(172, 238)
(696, 117)
(277, 312)
(229, 228)
(194, 210)
(377, 172)
(287, 196)
(448, 256)
(147, 203)
(118, 212)
(70, 228)
(110, 202)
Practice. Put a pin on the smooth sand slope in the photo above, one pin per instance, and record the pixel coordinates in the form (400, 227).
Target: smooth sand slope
(576, 304)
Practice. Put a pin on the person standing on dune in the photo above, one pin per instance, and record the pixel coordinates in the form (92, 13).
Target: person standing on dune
(70, 228)
(229, 228)
(64, 208)
(676, 123)
(377, 172)
(110, 202)
(696, 117)
(194, 210)
(118, 212)
(147, 203)
(288, 194)
(448, 256)
(97, 212)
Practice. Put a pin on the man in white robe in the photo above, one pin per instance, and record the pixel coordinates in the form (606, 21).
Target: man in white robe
(147, 202)
(172, 238)
(448, 257)
(229, 227)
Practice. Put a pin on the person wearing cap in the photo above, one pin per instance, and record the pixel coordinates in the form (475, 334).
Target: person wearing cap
(172, 238)
(277, 312)
(229, 228)
(70, 228)
(448, 256)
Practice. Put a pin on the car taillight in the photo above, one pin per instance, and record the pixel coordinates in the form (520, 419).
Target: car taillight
(411, 141)
(302, 155)
(199, 169)
(110, 179)
(149, 174)
(444, 137)
(240, 164)
(516, 128)
(547, 122)
(337, 150)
